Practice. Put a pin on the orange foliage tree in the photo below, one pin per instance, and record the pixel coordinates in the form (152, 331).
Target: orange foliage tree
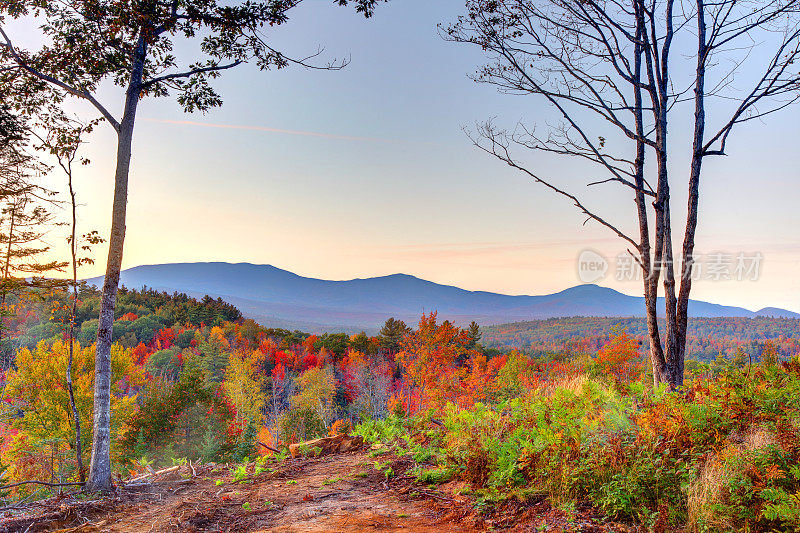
(432, 360)
(620, 358)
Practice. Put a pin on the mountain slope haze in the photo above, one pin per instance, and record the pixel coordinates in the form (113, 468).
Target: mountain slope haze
(280, 298)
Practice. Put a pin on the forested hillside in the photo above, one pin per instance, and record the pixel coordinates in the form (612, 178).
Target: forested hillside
(707, 338)
(140, 315)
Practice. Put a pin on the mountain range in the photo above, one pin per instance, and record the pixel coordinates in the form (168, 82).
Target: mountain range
(279, 298)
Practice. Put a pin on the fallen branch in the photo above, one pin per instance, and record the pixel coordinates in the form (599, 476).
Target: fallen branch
(270, 448)
(19, 504)
(45, 483)
(435, 495)
(136, 485)
(154, 474)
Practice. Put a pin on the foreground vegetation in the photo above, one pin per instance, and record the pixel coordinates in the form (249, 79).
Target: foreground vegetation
(721, 456)
(579, 426)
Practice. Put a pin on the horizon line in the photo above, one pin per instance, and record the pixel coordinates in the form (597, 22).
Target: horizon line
(436, 283)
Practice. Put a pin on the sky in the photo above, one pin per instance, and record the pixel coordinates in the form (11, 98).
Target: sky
(367, 171)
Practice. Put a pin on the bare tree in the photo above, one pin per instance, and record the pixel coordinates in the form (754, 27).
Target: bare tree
(282, 388)
(727, 32)
(609, 67)
(371, 380)
(63, 139)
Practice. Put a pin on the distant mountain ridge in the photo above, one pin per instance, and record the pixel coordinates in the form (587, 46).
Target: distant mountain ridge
(279, 298)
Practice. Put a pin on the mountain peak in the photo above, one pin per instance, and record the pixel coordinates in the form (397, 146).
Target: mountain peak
(587, 288)
(774, 312)
(279, 298)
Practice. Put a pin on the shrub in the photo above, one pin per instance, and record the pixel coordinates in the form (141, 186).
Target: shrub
(341, 427)
(385, 430)
(436, 476)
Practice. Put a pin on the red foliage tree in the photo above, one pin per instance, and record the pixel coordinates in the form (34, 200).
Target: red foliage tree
(141, 354)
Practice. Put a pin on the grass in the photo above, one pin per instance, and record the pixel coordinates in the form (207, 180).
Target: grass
(379, 452)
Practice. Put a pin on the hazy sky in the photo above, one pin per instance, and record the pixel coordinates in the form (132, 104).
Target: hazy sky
(367, 172)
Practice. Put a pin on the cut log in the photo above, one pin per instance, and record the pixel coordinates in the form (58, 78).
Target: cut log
(327, 446)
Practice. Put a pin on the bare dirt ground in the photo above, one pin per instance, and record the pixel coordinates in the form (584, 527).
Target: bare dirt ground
(335, 493)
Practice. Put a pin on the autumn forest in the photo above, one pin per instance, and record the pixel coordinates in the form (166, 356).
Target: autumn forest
(124, 408)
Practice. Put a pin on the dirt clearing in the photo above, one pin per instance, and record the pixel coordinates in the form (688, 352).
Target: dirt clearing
(334, 493)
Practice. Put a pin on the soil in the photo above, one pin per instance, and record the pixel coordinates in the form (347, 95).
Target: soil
(333, 493)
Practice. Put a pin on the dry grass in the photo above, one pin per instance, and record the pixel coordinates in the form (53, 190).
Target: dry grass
(709, 489)
(758, 438)
(706, 491)
(574, 383)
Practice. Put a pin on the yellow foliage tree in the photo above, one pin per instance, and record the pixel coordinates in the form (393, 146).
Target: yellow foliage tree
(243, 387)
(317, 389)
(217, 335)
(38, 389)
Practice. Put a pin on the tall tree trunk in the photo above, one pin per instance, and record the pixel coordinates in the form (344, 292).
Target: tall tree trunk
(661, 207)
(74, 252)
(75, 415)
(673, 378)
(646, 261)
(694, 182)
(665, 357)
(100, 468)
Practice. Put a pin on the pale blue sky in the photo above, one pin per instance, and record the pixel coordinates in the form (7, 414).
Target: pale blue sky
(393, 184)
